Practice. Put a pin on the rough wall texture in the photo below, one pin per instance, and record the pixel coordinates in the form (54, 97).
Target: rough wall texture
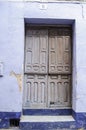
(11, 26)
(12, 46)
(12, 16)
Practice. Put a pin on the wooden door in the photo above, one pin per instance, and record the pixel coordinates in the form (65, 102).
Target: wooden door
(59, 51)
(35, 91)
(59, 81)
(36, 68)
(47, 68)
(36, 51)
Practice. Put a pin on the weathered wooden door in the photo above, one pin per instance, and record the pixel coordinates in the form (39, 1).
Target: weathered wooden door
(36, 68)
(47, 74)
(59, 79)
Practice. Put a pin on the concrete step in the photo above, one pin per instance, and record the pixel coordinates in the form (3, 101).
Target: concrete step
(47, 122)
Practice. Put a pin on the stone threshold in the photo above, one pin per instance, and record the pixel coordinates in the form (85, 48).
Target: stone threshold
(46, 118)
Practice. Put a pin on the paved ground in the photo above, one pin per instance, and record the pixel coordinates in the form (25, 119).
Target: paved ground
(16, 128)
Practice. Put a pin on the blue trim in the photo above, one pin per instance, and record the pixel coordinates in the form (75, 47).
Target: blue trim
(79, 115)
(4, 123)
(49, 21)
(47, 125)
(6, 116)
(47, 111)
(80, 119)
(10, 115)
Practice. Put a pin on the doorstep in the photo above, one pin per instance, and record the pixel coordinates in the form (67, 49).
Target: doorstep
(47, 122)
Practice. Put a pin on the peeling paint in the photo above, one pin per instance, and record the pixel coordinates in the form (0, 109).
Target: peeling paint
(19, 79)
(81, 129)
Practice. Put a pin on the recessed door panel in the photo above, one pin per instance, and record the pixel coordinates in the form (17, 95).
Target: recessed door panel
(35, 91)
(59, 89)
(59, 52)
(36, 51)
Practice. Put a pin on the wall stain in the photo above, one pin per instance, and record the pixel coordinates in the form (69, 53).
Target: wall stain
(19, 79)
(81, 129)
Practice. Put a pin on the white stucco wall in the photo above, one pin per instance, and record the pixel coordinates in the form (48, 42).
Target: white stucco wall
(11, 54)
(12, 16)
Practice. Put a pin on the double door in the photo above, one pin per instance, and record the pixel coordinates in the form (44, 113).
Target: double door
(47, 70)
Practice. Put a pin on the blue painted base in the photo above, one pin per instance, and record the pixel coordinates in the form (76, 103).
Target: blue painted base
(47, 125)
(4, 123)
(6, 116)
(80, 119)
(10, 115)
(47, 111)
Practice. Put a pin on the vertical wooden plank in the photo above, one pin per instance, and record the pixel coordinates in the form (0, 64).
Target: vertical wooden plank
(39, 92)
(43, 51)
(66, 85)
(28, 52)
(59, 92)
(52, 92)
(28, 92)
(56, 92)
(35, 92)
(52, 57)
(67, 54)
(32, 92)
(59, 43)
(42, 91)
(35, 50)
(52, 54)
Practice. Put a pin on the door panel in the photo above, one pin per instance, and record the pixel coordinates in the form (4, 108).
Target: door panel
(35, 91)
(59, 88)
(47, 68)
(36, 51)
(59, 52)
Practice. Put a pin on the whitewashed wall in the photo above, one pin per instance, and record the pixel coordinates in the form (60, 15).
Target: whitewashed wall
(12, 16)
